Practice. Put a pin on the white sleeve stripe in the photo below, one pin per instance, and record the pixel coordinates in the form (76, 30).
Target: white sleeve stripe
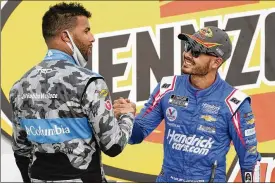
(236, 117)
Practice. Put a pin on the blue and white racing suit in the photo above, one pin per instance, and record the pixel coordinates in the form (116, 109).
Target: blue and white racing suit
(199, 127)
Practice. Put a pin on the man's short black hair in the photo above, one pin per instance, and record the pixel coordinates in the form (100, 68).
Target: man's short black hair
(60, 17)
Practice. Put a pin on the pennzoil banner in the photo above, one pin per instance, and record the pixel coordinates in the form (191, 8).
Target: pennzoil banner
(136, 45)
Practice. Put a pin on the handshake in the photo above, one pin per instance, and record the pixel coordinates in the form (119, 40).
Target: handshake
(123, 106)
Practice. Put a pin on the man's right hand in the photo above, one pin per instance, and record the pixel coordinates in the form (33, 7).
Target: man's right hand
(123, 106)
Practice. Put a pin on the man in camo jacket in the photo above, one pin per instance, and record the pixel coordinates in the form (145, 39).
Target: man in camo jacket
(63, 115)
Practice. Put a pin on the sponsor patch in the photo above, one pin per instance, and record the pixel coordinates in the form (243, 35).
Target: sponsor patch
(251, 121)
(165, 85)
(178, 100)
(173, 125)
(248, 177)
(251, 141)
(102, 93)
(171, 114)
(208, 118)
(53, 131)
(208, 129)
(49, 53)
(249, 132)
(39, 96)
(194, 144)
(211, 109)
(246, 115)
(219, 51)
(252, 150)
(205, 32)
(235, 100)
(108, 105)
(45, 70)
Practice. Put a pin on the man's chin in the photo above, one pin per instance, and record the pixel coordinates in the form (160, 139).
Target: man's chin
(186, 71)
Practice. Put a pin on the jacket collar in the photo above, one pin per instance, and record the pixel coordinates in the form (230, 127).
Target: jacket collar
(54, 54)
(202, 92)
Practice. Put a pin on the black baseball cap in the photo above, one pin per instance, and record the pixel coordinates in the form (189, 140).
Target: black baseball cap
(211, 39)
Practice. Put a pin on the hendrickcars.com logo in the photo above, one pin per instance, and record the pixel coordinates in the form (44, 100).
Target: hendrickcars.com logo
(136, 45)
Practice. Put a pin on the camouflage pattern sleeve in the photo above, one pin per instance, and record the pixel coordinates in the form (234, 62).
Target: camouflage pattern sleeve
(21, 146)
(111, 134)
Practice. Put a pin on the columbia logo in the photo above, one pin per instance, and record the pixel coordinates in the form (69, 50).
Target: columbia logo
(47, 132)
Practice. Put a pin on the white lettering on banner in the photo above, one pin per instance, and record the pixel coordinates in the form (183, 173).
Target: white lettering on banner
(39, 96)
(47, 132)
(249, 132)
(155, 37)
(191, 144)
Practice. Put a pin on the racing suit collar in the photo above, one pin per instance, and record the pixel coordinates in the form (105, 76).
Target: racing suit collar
(202, 92)
(54, 54)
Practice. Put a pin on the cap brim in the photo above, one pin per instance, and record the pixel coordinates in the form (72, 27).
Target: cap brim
(190, 39)
(183, 36)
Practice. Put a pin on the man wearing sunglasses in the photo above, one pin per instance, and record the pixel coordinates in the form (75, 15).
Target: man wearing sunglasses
(202, 114)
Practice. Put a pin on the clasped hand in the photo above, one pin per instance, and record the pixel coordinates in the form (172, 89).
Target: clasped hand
(123, 106)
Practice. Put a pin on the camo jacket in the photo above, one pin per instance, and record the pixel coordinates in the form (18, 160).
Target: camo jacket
(62, 120)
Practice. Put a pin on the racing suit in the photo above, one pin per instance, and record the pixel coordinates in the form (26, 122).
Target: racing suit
(62, 120)
(199, 126)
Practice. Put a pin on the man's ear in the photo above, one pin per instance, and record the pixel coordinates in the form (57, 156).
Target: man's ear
(217, 62)
(65, 37)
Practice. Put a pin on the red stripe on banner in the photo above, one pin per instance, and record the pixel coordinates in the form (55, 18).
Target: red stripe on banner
(183, 7)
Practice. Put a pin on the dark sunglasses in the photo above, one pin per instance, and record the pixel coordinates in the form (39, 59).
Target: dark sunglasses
(197, 50)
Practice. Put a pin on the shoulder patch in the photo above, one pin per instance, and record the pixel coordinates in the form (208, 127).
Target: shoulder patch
(167, 84)
(235, 99)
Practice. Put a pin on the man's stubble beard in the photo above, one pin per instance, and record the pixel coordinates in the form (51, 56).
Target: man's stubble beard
(81, 47)
(200, 71)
